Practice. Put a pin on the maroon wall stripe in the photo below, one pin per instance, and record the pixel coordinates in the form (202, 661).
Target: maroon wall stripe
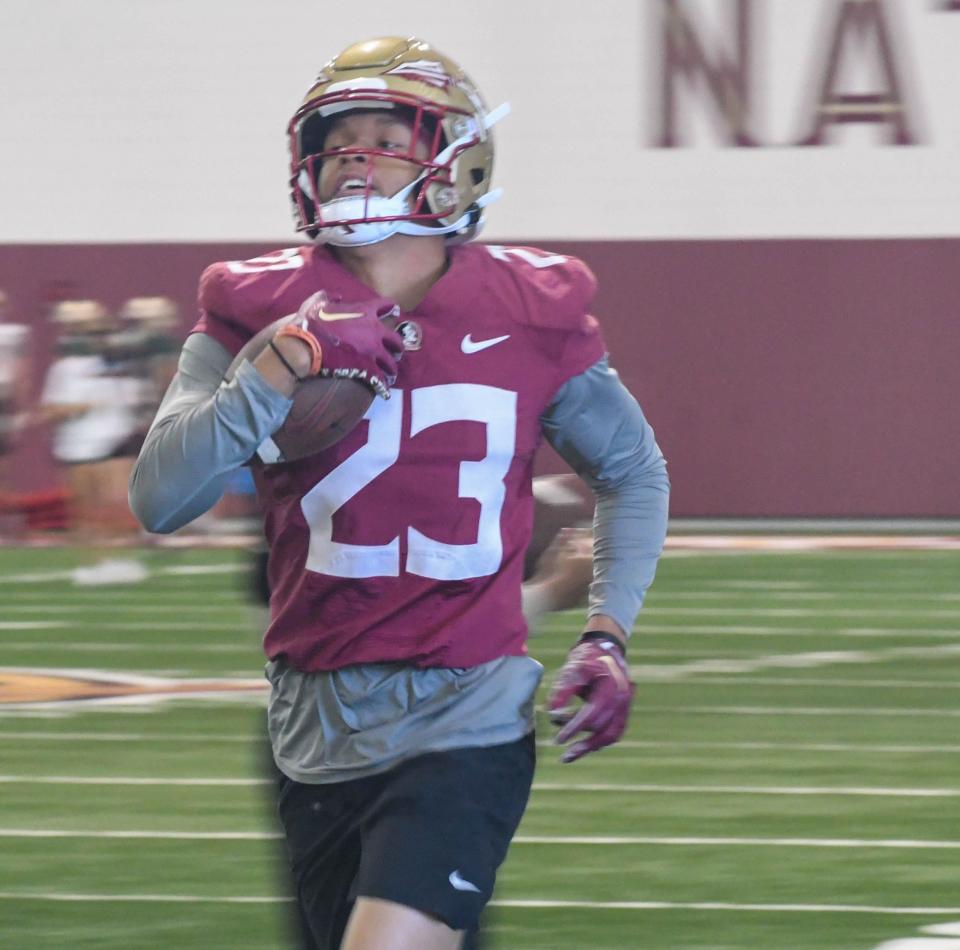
(784, 378)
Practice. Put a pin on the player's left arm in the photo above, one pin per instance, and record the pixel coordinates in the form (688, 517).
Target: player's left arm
(597, 426)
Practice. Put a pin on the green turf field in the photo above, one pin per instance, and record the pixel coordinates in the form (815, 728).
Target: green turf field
(791, 778)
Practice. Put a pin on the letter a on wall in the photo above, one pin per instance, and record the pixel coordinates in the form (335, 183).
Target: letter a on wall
(862, 28)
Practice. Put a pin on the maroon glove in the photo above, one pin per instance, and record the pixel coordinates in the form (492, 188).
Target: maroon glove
(349, 340)
(596, 670)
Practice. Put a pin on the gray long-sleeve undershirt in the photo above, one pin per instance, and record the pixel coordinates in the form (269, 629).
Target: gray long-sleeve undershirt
(598, 428)
(206, 428)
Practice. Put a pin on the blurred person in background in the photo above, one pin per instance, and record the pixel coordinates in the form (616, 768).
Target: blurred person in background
(150, 335)
(14, 395)
(93, 406)
(140, 353)
(402, 701)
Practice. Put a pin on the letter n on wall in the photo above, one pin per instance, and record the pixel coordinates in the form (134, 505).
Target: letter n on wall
(723, 75)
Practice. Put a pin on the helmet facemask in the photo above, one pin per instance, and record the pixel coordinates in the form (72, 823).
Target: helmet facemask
(367, 217)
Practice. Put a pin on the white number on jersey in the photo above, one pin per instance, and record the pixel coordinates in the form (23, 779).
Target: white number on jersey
(289, 259)
(482, 480)
(335, 489)
(533, 258)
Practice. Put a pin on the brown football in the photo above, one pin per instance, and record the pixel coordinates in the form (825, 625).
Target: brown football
(323, 411)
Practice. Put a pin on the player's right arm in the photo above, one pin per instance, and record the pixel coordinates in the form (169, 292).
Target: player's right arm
(206, 428)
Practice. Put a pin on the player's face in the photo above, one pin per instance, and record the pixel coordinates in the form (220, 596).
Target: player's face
(344, 175)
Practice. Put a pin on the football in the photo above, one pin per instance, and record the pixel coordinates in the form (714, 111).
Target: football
(324, 409)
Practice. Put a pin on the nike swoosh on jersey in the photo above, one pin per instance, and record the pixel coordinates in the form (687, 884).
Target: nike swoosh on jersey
(460, 884)
(475, 346)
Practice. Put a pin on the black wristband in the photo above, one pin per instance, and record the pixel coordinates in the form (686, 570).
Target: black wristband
(601, 636)
(273, 346)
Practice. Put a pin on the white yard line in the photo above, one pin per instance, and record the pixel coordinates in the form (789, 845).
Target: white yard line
(776, 593)
(29, 624)
(721, 906)
(166, 648)
(136, 898)
(624, 744)
(685, 634)
(785, 543)
(190, 570)
(853, 844)
(895, 749)
(774, 711)
(43, 577)
(683, 631)
(516, 904)
(30, 600)
(687, 631)
(143, 835)
(748, 790)
(129, 780)
(751, 585)
(783, 630)
(163, 626)
(138, 737)
(181, 608)
(578, 840)
(538, 650)
(823, 682)
(36, 577)
(145, 738)
(808, 660)
(800, 612)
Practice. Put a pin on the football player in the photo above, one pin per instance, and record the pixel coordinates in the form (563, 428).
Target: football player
(402, 706)
(14, 385)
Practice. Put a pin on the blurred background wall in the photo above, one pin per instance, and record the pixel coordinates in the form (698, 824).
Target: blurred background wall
(767, 190)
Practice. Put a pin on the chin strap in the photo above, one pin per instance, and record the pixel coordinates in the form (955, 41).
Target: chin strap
(472, 217)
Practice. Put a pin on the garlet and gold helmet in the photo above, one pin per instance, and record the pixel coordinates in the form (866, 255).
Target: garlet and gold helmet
(154, 313)
(82, 316)
(445, 109)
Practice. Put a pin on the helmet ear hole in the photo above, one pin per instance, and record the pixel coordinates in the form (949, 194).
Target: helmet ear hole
(477, 175)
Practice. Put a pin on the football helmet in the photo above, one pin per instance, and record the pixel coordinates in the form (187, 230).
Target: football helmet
(446, 111)
(82, 316)
(154, 313)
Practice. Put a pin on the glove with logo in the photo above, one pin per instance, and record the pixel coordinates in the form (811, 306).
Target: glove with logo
(596, 671)
(349, 340)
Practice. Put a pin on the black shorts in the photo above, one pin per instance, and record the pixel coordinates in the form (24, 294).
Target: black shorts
(429, 834)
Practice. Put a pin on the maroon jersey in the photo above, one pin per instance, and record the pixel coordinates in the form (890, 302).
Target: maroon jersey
(405, 541)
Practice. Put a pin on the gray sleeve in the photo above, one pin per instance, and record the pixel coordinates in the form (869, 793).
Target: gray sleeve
(597, 426)
(205, 429)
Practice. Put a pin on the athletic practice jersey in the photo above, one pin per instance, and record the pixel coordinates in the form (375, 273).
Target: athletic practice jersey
(405, 541)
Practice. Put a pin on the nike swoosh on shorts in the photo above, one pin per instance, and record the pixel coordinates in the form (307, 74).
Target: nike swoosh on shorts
(460, 884)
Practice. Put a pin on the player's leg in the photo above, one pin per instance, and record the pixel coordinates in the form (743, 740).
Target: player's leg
(84, 490)
(324, 852)
(433, 839)
(116, 517)
(384, 925)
